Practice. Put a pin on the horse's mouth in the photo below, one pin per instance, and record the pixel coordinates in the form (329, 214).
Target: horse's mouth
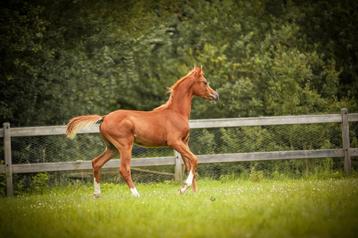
(213, 96)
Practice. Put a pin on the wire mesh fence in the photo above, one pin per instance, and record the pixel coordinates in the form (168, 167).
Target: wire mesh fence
(353, 134)
(38, 149)
(265, 138)
(55, 148)
(2, 176)
(2, 152)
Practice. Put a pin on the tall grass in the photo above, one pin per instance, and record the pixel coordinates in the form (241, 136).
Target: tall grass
(221, 208)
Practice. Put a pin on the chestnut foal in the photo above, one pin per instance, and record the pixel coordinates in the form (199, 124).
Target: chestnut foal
(166, 125)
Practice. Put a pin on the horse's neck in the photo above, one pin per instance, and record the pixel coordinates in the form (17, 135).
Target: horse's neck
(181, 103)
(180, 99)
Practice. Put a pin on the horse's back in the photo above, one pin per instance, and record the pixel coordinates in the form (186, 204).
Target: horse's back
(148, 128)
(145, 128)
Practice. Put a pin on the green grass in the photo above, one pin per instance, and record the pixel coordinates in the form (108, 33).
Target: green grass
(234, 208)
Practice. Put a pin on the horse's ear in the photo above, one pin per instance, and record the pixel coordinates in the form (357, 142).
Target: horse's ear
(201, 69)
(197, 71)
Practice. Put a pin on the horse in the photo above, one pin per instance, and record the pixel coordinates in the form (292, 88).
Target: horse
(166, 125)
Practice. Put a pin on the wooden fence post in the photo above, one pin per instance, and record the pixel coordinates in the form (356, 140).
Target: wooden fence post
(8, 159)
(345, 141)
(178, 172)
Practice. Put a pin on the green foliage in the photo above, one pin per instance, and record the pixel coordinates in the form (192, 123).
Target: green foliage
(2, 184)
(265, 58)
(204, 142)
(39, 182)
(256, 175)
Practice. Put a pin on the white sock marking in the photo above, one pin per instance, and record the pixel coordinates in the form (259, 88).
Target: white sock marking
(189, 180)
(135, 192)
(97, 187)
(184, 188)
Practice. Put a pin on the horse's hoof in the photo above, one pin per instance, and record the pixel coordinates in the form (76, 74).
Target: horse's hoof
(183, 189)
(136, 195)
(96, 195)
(135, 192)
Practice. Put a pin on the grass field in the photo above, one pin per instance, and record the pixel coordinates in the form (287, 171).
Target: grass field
(234, 208)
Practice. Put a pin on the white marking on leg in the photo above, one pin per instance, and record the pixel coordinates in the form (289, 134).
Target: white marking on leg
(184, 188)
(189, 180)
(135, 192)
(97, 188)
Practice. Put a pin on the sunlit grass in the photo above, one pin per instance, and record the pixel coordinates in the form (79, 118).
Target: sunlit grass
(236, 208)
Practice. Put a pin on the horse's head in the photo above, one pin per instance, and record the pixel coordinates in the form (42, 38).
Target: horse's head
(201, 86)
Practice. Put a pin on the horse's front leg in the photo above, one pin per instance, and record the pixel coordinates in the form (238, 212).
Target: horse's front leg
(193, 186)
(192, 160)
(187, 169)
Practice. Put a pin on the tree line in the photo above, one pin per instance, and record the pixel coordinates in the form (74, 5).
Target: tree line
(66, 58)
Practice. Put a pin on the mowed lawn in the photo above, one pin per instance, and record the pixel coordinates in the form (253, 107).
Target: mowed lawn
(234, 208)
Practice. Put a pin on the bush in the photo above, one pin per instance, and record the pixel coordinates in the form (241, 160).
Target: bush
(256, 175)
(39, 182)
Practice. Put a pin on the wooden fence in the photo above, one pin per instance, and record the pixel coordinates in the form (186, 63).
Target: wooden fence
(345, 152)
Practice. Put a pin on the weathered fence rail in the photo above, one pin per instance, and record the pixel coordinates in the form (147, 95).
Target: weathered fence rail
(346, 152)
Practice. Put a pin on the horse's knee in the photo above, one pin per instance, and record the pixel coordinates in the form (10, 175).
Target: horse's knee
(187, 165)
(124, 171)
(194, 164)
(99, 161)
(126, 174)
(95, 165)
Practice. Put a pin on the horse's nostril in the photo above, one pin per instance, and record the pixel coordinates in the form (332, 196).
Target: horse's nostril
(214, 96)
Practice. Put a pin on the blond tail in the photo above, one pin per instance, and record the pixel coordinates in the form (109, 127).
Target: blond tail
(80, 122)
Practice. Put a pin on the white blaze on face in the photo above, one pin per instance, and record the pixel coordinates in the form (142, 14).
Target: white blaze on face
(97, 187)
(189, 180)
(135, 192)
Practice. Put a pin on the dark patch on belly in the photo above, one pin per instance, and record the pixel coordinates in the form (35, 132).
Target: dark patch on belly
(146, 144)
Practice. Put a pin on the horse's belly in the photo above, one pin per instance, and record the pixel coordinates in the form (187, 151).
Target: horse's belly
(149, 141)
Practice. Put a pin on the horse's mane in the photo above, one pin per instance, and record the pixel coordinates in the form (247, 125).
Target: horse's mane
(172, 89)
(178, 82)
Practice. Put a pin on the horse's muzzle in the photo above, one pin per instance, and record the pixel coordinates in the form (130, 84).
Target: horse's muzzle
(214, 96)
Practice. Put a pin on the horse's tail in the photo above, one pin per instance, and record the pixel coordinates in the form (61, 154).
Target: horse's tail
(79, 122)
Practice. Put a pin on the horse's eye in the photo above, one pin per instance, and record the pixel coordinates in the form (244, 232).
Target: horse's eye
(206, 83)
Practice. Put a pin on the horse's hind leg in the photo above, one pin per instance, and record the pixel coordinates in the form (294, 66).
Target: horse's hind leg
(97, 164)
(125, 168)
